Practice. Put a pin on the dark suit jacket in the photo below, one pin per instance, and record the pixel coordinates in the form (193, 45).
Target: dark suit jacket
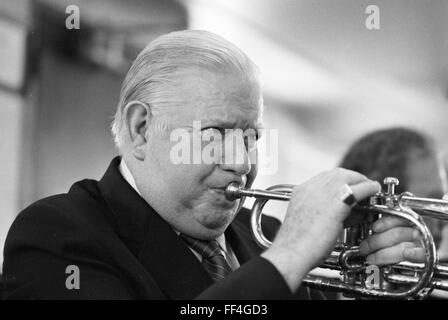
(124, 250)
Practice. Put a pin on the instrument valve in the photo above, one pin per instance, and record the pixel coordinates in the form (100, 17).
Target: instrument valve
(391, 182)
(391, 199)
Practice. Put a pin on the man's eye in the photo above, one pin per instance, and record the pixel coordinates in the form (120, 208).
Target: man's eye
(211, 128)
(251, 142)
(213, 131)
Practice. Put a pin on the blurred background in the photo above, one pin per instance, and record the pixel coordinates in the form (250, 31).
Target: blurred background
(327, 78)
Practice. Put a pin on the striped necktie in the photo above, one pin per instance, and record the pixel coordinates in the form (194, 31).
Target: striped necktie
(213, 257)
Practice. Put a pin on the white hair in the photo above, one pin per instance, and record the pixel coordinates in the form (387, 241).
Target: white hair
(155, 70)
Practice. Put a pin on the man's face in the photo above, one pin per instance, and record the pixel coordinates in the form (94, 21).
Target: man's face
(190, 196)
(427, 178)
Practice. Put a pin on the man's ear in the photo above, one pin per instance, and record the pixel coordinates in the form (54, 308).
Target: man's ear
(137, 116)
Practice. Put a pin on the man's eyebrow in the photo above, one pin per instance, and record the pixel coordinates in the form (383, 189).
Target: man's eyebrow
(219, 122)
(228, 124)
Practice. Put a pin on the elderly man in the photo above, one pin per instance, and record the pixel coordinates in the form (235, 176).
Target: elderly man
(153, 228)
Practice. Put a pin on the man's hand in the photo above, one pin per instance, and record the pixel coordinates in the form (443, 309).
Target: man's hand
(314, 220)
(442, 250)
(394, 240)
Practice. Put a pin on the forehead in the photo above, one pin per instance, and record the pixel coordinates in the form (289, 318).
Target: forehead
(208, 96)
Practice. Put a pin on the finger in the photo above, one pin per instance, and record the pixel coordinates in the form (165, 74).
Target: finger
(386, 223)
(443, 248)
(416, 254)
(350, 177)
(388, 239)
(443, 256)
(364, 189)
(401, 252)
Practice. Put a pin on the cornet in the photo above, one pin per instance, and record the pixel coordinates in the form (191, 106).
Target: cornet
(398, 281)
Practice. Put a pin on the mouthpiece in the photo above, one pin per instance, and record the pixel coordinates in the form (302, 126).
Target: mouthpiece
(233, 191)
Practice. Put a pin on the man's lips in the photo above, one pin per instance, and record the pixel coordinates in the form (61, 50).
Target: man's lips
(220, 189)
(241, 183)
(223, 189)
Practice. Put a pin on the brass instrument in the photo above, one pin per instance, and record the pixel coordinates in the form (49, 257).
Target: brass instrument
(398, 281)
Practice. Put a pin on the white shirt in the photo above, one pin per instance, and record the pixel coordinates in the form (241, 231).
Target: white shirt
(127, 175)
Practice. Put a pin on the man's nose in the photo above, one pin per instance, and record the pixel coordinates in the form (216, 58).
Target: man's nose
(236, 158)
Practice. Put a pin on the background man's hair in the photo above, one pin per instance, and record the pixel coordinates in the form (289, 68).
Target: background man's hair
(157, 68)
(388, 152)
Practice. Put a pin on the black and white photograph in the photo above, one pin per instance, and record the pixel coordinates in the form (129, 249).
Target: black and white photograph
(224, 150)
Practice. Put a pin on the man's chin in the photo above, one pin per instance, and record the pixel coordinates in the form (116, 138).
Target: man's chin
(217, 222)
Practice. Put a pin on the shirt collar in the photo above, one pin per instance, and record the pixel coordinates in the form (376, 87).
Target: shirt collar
(127, 175)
